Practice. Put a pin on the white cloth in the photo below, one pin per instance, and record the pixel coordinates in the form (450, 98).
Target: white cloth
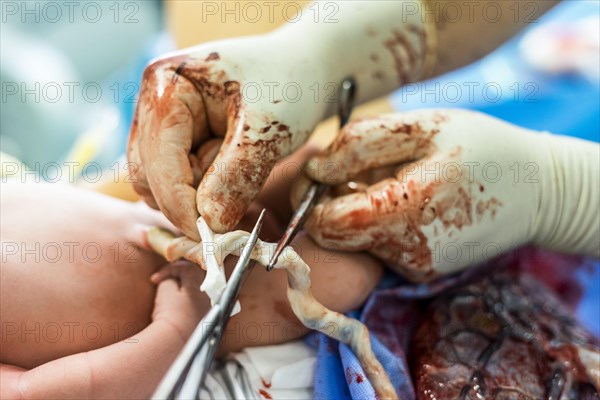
(284, 371)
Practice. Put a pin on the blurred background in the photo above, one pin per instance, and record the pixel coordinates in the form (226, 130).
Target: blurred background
(70, 73)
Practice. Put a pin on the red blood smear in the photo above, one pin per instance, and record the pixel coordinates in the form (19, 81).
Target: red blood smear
(556, 270)
(348, 376)
(265, 384)
(265, 394)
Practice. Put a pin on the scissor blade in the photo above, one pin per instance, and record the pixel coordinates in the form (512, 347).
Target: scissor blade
(315, 190)
(181, 365)
(242, 268)
(199, 351)
(309, 200)
(346, 103)
(227, 300)
(196, 374)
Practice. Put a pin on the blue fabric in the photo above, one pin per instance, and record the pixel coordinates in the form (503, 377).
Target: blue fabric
(360, 387)
(339, 374)
(330, 381)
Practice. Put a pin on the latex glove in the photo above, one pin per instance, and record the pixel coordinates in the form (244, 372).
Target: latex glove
(461, 188)
(246, 103)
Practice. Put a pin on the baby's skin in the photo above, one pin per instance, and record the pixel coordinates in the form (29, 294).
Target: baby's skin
(72, 278)
(82, 315)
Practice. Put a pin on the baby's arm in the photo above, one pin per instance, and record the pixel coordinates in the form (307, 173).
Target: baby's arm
(128, 369)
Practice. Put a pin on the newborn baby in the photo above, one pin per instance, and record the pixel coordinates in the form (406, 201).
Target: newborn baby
(81, 312)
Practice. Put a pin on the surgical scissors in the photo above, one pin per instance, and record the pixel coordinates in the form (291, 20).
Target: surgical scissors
(316, 189)
(187, 374)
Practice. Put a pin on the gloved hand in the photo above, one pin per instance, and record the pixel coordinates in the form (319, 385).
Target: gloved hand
(433, 191)
(246, 103)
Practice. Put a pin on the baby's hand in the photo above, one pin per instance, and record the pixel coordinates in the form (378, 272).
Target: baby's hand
(179, 301)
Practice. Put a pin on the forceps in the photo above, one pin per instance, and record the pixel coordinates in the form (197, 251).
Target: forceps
(316, 189)
(186, 376)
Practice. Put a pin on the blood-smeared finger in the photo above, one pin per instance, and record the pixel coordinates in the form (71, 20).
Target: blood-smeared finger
(217, 97)
(171, 120)
(367, 219)
(204, 158)
(137, 175)
(234, 180)
(346, 223)
(372, 143)
(275, 195)
(221, 96)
